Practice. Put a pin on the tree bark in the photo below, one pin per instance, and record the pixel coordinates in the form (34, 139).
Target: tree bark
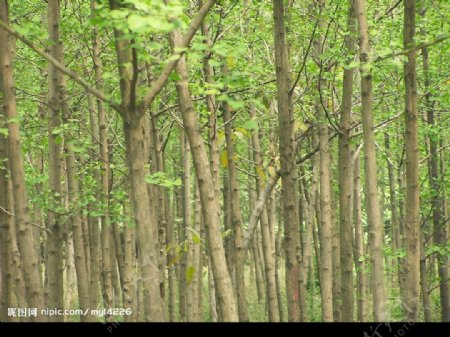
(345, 174)
(76, 221)
(29, 260)
(412, 224)
(268, 250)
(370, 169)
(440, 233)
(287, 162)
(5, 214)
(186, 225)
(236, 217)
(208, 196)
(359, 242)
(54, 270)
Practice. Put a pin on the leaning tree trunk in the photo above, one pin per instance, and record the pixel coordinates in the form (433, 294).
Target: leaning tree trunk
(208, 196)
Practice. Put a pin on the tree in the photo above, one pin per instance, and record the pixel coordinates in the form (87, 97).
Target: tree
(29, 260)
(287, 162)
(412, 224)
(370, 167)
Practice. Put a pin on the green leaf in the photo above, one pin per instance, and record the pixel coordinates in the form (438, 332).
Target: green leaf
(118, 13)
(174, 57)
(352, 65)
(190, 272)
(224, 159)
(196, 239)
(137, 23)
(251, 124)
(4, 132)
(214, 63)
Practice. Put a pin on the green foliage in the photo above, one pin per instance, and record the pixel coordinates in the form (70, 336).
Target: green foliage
(161, 179)
(190, 273)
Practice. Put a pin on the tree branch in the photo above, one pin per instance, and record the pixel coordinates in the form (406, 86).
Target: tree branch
(412, 49)
(181, 49)
(59, 66)
(254, 217)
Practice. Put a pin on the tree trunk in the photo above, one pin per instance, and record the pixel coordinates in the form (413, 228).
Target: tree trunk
(440, 233)
(5, 218)
(287, 162)
(359, 250)
(412, 224)
(396, 244)
(193, 261)
(136, 134)
(148, 252)
(268, 249)
(370, 169)
(186, 225)
(129, 283)
(29, 260)
(77, 230)
(54, 266)
(345, 174)
(236, 217)
(208, 196)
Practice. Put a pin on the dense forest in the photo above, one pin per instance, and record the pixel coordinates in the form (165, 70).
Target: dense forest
(229, 160)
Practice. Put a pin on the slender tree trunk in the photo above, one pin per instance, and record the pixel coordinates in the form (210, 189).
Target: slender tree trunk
(424, 287)
(268, 250)
(345, 174)
(370, 167)
(393, 201)
(230, 255)
(412, 224)
(5, 218)
(287, 162)
(136, 135)
(69, 272)
(193, 260)
(55, 238)
(278, 257)
(326, 249)
(77, 230)
(236, 217)
(200, 258)
(359, 242)
(212, 294)
(129, 283)
(171, 258)
(208, 196)
(186, 225)
(102, 236)
(29, 260)
(440, 233)
(17, 276)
